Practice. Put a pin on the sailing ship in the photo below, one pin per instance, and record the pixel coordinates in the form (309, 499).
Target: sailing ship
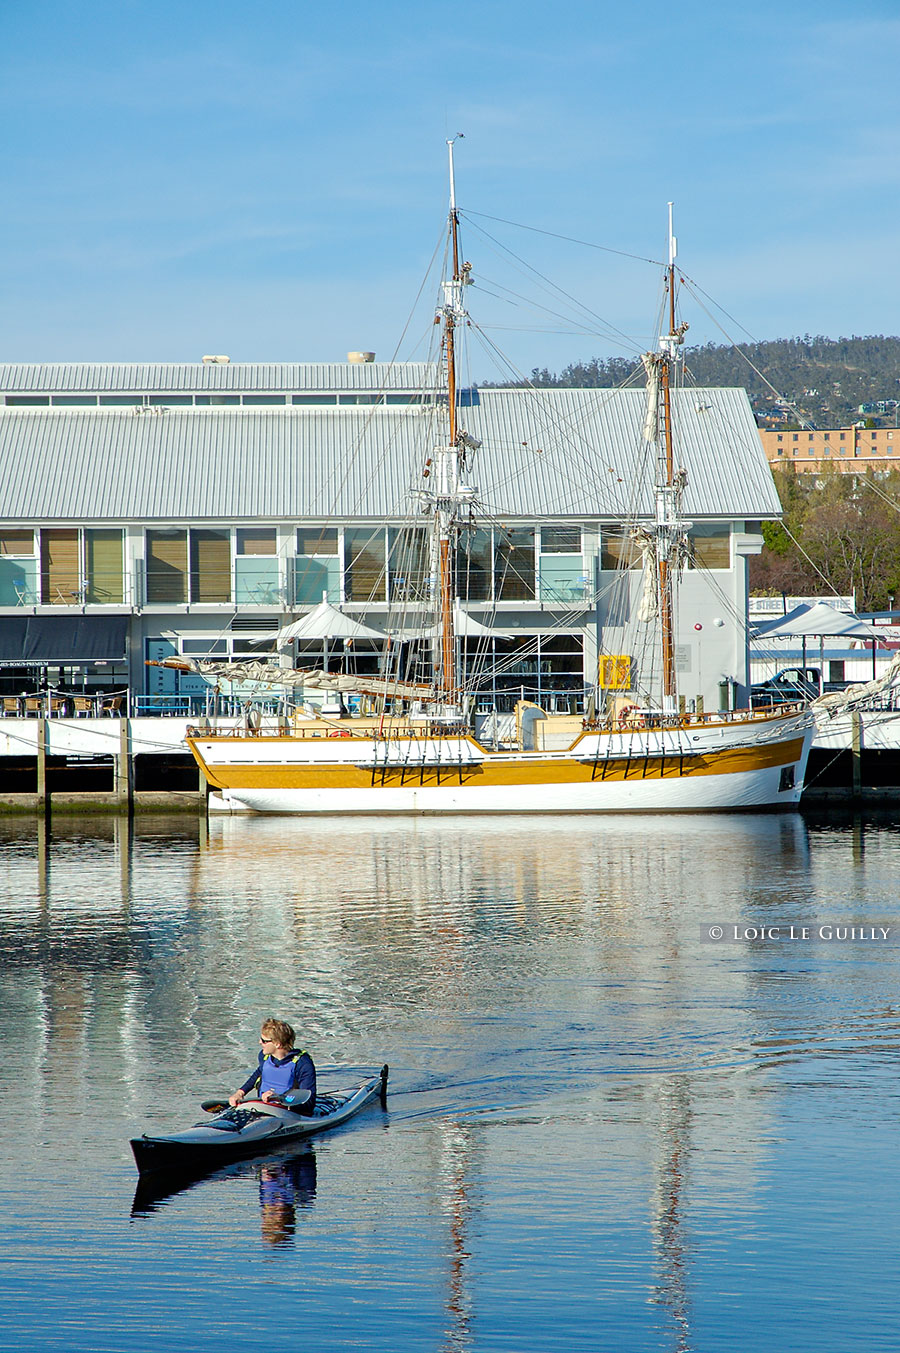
(414, 749)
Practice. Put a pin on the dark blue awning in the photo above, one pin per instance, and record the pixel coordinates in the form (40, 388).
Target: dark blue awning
(62, 641)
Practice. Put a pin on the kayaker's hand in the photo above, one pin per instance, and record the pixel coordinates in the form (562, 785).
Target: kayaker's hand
(235, 1099)
(267, 1096)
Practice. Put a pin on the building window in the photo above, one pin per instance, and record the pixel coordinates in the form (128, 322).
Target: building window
(514, 564)
(262, 401)
(256, 579)
(408, 563)
(103, 567)
(16, 540)
(27, 401)
(256, 540)
(365, 577)
(210, 566)
(619, 551)
(317, 569)
(560, 540)
(474, 566)
(561, 565)
(166, 567)
(317, 540)
(710, 547)
(60, 571)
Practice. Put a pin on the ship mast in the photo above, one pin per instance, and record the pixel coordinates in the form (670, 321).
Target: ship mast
(447, 494)
(669, 486)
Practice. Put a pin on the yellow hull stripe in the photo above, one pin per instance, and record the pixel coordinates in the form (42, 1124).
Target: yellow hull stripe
(535, 770)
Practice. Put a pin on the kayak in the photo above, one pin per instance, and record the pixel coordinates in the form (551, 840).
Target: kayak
(251, 1129)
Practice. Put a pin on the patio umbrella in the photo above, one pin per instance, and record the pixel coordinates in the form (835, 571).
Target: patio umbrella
(817, 620)
(326, 622)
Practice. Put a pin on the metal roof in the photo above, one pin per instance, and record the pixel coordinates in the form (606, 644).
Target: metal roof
(175, 377)
(556, 453)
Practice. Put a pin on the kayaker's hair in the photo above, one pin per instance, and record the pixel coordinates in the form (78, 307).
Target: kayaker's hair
(280, 1031)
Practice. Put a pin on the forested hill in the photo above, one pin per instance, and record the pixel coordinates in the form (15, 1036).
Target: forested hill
(825, 379)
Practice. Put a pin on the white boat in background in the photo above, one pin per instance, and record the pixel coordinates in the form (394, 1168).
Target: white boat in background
(414, 750)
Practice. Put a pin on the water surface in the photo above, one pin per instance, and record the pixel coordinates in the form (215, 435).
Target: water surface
(602, 1128)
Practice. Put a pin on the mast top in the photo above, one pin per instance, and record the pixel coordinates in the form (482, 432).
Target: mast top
(450, 143)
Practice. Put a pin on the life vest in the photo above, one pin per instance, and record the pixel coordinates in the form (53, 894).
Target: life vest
(279, 1078)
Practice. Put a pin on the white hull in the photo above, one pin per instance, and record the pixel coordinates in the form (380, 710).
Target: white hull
(742, 790)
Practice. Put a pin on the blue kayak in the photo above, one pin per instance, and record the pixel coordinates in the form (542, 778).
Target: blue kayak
(251, 1129)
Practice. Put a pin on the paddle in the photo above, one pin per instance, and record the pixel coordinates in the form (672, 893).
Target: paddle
(291, 1100)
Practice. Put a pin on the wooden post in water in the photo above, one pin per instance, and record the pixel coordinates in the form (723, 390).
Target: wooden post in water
(856, 752)
(123, 769)
(42, 796)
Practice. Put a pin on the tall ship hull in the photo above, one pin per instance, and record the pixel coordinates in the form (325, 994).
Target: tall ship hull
(704, 767)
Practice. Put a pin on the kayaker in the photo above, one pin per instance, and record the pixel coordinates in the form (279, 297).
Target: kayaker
(281, 1068)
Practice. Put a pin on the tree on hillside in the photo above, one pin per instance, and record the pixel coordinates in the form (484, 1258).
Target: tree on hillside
(840, 532)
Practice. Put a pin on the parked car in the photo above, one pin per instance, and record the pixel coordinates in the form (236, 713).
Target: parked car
(790, 685)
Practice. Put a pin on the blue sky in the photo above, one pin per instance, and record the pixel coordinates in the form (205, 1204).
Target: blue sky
(269, 180)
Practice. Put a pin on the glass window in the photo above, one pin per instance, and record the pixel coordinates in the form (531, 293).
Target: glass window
(166, 567)
(258, 401)
(710, 547)
(314, 399)
(317, 540)
(361, 399)
(364, 572)
(474, 566)
(253, 645)
(16, 540)
(514, 563)
(171, 401)
(74, 401)
(103, 567)
(204, 648)
(210, 566)
(619, 551)
(220, 401)
(560, 539)
(121, 401)
(408, 563)
(27, 401)
(60, 567)
(256, 540)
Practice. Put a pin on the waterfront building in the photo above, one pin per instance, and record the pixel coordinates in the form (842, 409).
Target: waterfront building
(158, 510)
(851, 450)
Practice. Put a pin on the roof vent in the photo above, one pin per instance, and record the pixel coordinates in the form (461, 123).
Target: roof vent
(216, 361)
(359, 357)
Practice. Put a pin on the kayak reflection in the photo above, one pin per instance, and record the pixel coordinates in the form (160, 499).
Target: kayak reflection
(286, 1182)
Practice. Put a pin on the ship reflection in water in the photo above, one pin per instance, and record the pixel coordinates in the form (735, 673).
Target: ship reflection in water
(601, 1129)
